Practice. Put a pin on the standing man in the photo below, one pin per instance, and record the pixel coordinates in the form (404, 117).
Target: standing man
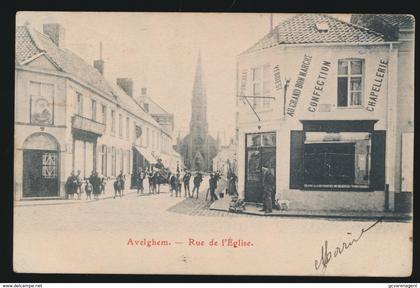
(96, 182)
(71, 186)
(155, 181)
(268, 186)
(232, 184)
(172, 184)
(79, 185)
(121, 177)
(214, 177)
(197, 182)
(186, 180)
(140, 178)
(150, 178)
(178, 184)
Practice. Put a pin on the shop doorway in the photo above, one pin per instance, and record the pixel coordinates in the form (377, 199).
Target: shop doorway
(260, 152)
(40, 166)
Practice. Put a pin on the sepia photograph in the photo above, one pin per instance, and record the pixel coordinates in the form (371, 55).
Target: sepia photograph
(214, 143)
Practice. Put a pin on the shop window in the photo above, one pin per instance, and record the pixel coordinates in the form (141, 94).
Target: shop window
(349, 83)
(337, 160)
(41, 103)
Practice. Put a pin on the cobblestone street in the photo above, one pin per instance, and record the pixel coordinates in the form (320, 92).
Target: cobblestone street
(94, 237)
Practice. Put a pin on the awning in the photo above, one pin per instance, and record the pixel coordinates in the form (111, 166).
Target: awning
(166, 160)
(146, 153)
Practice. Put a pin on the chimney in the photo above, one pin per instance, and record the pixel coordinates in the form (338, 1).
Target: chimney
(56, 33)
(143, 97)
(271, 22)
(126, 84)
(99, 64)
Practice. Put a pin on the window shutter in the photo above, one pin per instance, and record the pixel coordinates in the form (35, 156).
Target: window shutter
(296, 159)
(378, 160)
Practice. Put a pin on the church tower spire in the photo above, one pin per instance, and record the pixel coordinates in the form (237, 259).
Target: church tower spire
(198, 148)
(198, 124)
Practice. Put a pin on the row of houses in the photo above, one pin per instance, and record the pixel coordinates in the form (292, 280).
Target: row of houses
(328, 105)
(68, 117)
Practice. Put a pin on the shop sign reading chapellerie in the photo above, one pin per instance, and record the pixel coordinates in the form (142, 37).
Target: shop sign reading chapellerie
(377, 84)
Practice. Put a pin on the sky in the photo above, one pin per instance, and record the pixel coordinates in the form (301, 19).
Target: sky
(159, 51)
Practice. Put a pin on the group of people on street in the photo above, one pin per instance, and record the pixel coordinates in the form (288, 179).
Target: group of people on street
(94, 184)
(152, 178)
(176, 182)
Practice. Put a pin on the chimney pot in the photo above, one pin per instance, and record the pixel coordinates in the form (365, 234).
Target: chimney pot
(56, 33)
(126, 84)
(99, 65)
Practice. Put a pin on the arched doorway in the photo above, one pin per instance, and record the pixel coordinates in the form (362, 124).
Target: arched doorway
(40, 166)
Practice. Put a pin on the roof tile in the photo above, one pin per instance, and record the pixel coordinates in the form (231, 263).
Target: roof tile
(302, 29)
(30, 42)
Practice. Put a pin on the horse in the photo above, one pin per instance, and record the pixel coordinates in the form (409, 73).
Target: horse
(118, 187)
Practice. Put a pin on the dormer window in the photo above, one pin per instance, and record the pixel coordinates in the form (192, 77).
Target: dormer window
(322, 26)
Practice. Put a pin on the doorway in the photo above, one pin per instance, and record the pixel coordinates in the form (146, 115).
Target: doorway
(40, 166)
(260, 152)
(40, 173)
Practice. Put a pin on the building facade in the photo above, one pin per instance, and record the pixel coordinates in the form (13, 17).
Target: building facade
(400, 29)
(317, 101)
(68, 117)
(198, 148)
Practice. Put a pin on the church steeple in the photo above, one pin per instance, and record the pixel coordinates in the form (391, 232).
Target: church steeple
(198, 148)
(198, 122)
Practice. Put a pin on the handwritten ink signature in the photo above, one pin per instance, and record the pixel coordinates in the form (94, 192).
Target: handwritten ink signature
(327, 255)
